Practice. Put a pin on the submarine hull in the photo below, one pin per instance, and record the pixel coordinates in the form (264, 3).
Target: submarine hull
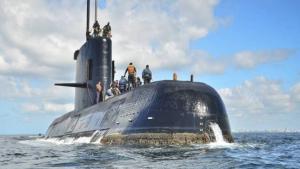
(163, 112)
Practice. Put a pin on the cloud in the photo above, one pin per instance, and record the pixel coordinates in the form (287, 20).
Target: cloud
(53, 107)
(260, 96)
(52, 99)
(47, 107)
(203, 63)
(38, 37)
(158, 33)
(295, 93)
(250, 59)
(29, 107)
(38, 99)
(13, 88)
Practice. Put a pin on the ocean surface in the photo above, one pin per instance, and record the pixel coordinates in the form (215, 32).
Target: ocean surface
(250, 150)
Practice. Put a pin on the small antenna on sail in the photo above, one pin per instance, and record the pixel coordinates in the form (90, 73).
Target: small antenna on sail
(87, 19)
(96, 5)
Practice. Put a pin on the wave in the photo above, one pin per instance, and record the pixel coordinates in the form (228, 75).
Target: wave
(93, 139)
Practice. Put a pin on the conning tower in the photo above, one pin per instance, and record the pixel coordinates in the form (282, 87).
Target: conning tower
(93, 64)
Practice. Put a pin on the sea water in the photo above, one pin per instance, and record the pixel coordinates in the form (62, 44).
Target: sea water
(250, 150)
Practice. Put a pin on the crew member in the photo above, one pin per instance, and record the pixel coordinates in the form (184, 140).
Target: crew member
(99, 95)
(122, 84)
(117, 83)
(147, 75)
(174, 76)
(138, 81)
(108, 93)
(114, 89)
(97, 29)
(131, 75)
(107, 31)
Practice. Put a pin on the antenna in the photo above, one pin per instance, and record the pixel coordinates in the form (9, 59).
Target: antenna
(87, 19)
(96, 10)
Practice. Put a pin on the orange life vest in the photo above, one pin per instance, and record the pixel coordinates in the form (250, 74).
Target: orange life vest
(130, 69)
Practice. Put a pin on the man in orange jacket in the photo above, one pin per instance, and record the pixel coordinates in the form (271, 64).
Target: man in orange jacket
(131, 74)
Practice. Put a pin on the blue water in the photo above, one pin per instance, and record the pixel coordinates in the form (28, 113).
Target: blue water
(250, 150)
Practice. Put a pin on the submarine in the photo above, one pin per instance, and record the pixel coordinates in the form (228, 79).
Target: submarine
(163, 112)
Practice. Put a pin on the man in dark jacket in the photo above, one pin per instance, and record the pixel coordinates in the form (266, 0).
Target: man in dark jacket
(122, 84)
(97, 29)
(147, 75)
(107, 31)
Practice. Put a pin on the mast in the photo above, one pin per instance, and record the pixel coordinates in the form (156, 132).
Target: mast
(87, 19)
(96, 4)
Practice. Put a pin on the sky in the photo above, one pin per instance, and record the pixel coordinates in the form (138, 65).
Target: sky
(247, 50)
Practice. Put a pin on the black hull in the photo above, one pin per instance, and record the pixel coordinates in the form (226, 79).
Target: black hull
(164, 112)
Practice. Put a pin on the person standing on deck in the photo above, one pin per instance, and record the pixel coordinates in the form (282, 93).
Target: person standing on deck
(147, 75)
(99, 95)
(138, 82)
(131, 75)
(97, 29)
(122, 84)
(107, 31)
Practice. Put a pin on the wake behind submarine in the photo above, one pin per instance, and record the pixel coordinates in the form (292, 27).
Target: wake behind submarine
(160, 113)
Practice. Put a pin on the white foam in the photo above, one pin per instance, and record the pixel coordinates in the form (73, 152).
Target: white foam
(220, 142)
(62, 141)
(56, 141)
(217, 132)
(82, 140)
(214, 145)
